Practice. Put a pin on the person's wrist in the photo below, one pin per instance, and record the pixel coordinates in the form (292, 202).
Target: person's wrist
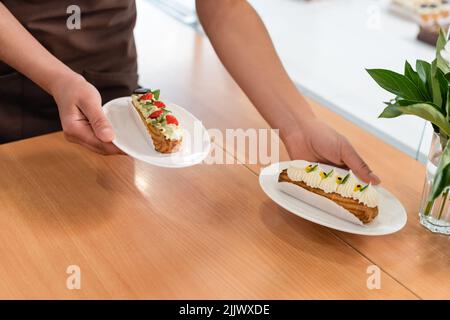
(298, 122)
(63, 80)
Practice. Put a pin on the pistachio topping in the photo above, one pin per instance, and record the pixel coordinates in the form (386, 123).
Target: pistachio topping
(324, 175)
(364, 188)
(346, 178)
(342, 180)
(311, 168)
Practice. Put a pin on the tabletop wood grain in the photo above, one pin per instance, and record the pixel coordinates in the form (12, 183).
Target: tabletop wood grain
(208, 231)
(138, 231)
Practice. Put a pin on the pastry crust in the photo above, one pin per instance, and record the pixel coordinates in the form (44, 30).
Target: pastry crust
(364, 213)
(160, 142)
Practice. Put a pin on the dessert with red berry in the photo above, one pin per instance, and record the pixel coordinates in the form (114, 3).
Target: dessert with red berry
(161, 124)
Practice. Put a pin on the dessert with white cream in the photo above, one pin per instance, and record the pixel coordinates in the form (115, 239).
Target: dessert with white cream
(337, 185)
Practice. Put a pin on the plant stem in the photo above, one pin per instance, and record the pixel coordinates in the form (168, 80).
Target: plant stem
(444, 200)
(428, 207)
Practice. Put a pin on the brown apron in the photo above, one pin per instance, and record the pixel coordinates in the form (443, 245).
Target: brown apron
(103, 51)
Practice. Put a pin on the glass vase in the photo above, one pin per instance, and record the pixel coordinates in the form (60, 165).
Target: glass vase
(435, 216)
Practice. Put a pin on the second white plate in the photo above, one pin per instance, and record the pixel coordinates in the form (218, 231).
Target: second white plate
(131, 135)
(391, 213)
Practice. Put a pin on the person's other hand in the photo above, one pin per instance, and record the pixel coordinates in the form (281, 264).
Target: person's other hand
(314, 141)
(82, 119)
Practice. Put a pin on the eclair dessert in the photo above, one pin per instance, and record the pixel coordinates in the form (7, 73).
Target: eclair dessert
(339, 186)
(161, 124)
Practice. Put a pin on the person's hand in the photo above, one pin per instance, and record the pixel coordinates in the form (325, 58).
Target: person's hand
(314, 140)
(82, 119)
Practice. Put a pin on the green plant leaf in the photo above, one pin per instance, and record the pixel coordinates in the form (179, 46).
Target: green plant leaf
(405, 102)
(423, 70)
(447, 105)
(414, 77)
(434, 82)
(391, 111)
(396, 83)
(422, 110)
(441, 76)
(441, 41)
(440, 44)
(427, 74)
(442, 178)
(410, 73)
(443, 83)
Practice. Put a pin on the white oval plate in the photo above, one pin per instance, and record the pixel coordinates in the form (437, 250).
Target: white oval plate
(132, 137)
(391, 213)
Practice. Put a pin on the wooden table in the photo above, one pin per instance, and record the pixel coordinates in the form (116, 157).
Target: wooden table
(138, 231)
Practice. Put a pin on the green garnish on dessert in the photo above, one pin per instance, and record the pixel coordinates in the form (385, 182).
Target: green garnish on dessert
(342, 180)
(311, 168)
(163, 127)
(324, 175)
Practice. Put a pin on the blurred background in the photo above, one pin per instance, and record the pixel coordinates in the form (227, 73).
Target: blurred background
(326, 45)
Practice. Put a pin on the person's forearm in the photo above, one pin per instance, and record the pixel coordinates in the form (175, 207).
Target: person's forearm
(20, 50)
(244, 47)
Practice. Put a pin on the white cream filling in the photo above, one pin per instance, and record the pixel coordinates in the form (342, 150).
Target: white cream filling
(347, 189)
(170, 131)
(329, 184)
(297, 172)
(369, 197)
(313, 178)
